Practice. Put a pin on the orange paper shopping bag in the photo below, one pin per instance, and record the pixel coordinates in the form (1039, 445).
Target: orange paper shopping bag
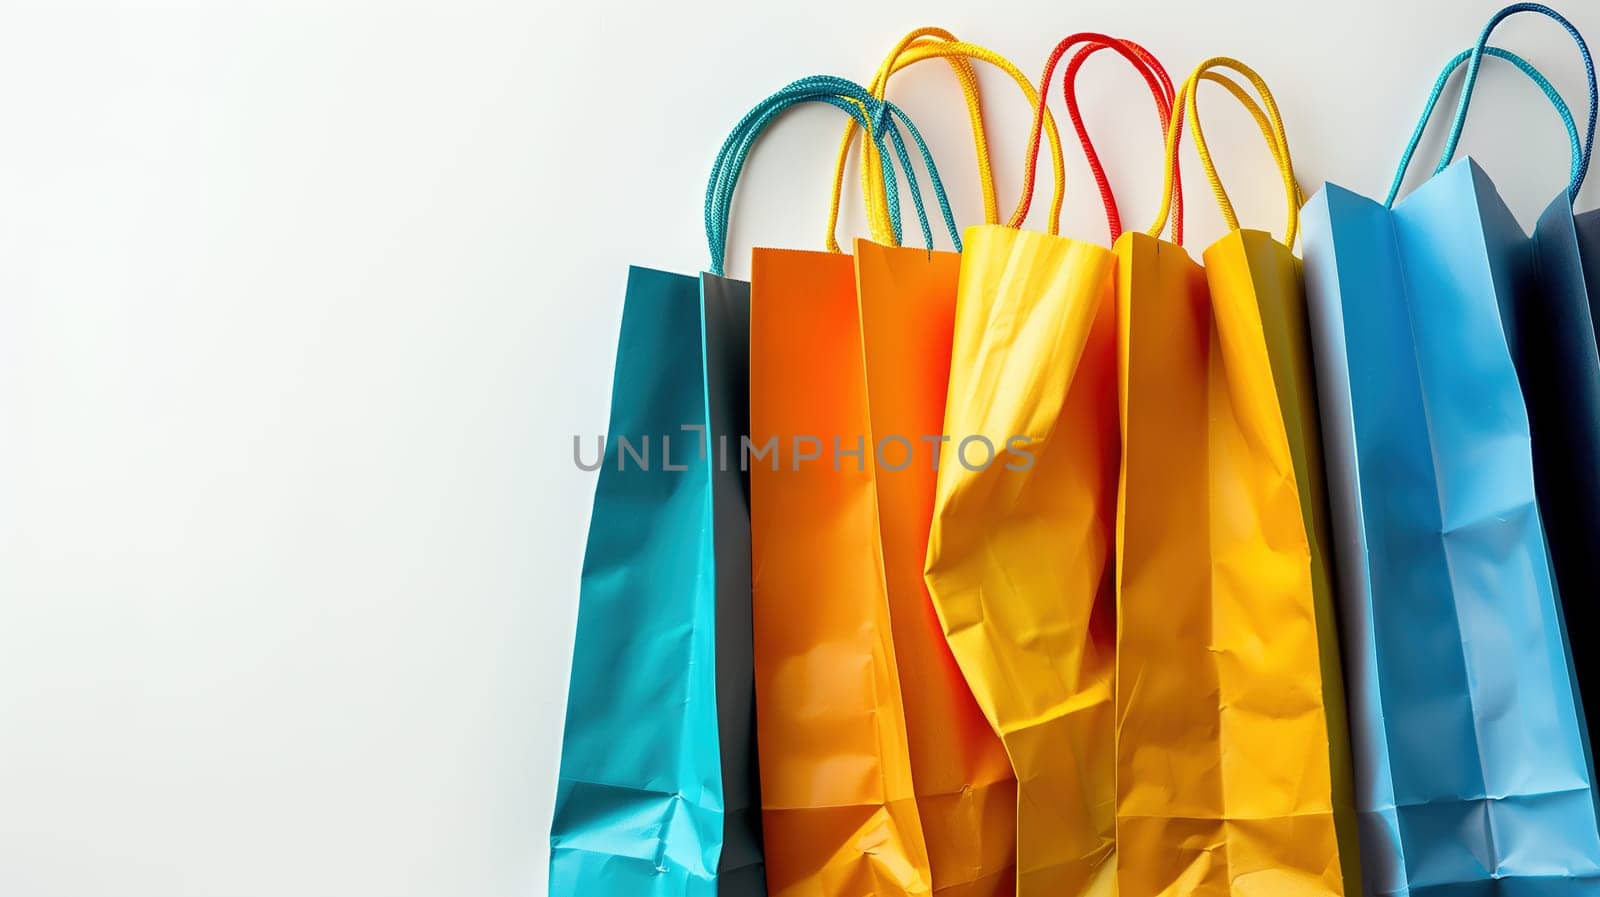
(863, 797)
(965, 791)
(838, 805)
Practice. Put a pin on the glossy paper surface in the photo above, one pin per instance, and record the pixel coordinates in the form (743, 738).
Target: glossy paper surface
(1551, 329)
(966, 795)
(725, 331)
(1472, 773)
(1019, 560)
(1249, 268)
(656, 796)
(839, 807)
(1223, 770)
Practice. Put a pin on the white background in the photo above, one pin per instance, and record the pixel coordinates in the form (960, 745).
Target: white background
(301, 304)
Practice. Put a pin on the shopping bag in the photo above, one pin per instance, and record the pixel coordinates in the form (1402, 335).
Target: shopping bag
(658, 792)
(1019, 551)
(905, 297)
(1472, 768)
(1549, 322)
(1575, 325)
(1256, 285)
(656, 795)
(1224, 755)
(839, 807)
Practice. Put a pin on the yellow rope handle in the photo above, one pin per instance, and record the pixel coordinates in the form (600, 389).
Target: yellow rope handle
(1263, 122)
(911, 50)
(1278, 144)
(968, 79)
(1174, 133)
(1269, 121)
(1058, 167)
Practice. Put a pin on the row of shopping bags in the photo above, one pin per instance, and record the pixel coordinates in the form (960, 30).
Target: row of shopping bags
(1047, 567)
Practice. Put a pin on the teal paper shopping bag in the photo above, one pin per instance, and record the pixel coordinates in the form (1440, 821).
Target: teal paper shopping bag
(658, 793)
(1472, 767)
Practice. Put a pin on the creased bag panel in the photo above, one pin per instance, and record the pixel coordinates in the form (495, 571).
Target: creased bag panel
(1171, 834)
(1263, 282)
(639, 806)
(1552, 329)
(725, 325)
(966, 795)
(1471, 769)
(838, 805)
(1019, 560)
(1269, 600)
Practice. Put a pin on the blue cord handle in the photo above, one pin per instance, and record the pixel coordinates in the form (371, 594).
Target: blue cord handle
(845, 95)
(880, 118)
(1472, 78)
(731, 158)
(1578, 151)
(1580, 168)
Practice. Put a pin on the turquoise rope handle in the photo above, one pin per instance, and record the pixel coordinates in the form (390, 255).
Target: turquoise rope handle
(1580, 168)
(731, 157)
(875, 113)
(837, 92)
(878, 117)
(1472, 80)
(739, 143)
(1578, 151)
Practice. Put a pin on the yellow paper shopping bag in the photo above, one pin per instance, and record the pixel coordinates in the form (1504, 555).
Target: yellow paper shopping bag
(965, 791)
(1249, 269)
(1225, 749)
(1019, 561)
(1020, 544)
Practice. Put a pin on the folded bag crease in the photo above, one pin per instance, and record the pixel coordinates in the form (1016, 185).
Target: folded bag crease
(1018, 555)
(1228, 724)
(962, 780)
(1473, 769)
(838, 807)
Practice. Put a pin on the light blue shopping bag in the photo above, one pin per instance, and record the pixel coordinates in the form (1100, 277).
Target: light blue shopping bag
(1473, 773)
(658, 793)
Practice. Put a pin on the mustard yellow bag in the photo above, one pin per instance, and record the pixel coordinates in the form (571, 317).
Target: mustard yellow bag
(1232, 757)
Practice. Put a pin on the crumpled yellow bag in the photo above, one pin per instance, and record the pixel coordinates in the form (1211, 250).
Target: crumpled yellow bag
(1232, 757)
(1019, 562)
(879, 776)
(965, 790)
(1018, 556)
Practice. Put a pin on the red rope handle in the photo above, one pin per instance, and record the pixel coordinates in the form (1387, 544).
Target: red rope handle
(1160, 88)
(1151, 64)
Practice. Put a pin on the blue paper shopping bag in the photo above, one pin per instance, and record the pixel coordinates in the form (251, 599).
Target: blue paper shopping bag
(1473, 773)
(1553, 336)
(1553, 328)
(1550, 322)
(658, 793)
